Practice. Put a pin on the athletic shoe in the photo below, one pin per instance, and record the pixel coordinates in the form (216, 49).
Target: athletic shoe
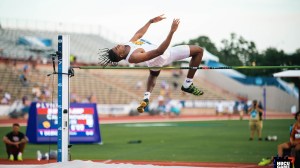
(193, 90)
(11, 157)
(38, 155)
(142, 106)
(47, 156)
(20, 158)
(264, 162)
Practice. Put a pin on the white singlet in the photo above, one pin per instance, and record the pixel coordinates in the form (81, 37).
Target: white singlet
(170, 55)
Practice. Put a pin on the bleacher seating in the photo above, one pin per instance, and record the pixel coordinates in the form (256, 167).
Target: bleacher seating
(84, 46)
(109, 86)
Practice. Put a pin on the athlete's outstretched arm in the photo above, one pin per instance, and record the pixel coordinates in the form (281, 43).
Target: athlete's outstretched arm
(140, 33)
(139, 55)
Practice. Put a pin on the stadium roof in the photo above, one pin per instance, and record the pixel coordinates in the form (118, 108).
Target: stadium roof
(289, 73)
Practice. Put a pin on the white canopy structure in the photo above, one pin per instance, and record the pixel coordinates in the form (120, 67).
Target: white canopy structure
(291, 74)
(288, 73)
(209, 56)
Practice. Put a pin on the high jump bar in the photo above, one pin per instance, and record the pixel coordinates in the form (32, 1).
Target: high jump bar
(200, 67)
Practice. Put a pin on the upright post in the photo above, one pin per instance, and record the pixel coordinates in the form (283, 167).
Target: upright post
(63, 97)
(265, 102)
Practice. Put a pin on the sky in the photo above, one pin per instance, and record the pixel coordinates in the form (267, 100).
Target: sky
(268, 23)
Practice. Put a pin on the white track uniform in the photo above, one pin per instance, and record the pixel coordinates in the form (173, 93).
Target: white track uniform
(170, 55)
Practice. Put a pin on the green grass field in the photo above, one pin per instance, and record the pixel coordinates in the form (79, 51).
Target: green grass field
(202, 141)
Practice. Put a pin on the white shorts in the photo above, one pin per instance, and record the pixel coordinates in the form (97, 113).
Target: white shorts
(171, 55)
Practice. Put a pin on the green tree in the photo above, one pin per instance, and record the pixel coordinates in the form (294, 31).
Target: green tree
(293, 59)
(271, 57)
(204, 42)
(238, 51)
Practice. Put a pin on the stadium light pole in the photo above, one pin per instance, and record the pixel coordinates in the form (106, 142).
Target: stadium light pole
(63, 98)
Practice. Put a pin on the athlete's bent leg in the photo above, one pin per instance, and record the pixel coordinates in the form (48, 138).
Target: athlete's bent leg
(196, 53)
(150, 85)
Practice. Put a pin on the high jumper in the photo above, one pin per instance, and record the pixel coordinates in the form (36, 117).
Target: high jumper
(139, 50)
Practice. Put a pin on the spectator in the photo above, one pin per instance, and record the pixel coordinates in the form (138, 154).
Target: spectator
(15, 143)
(138, 85)
(161, 104)
(230, 109)
(33, 62)
(285, 149)
(255, 121)
(245, 106)
(219, 108)
(73, 59)
(240, 110)
(92, 99)
(36, 92)
(23, 79)
(6, 98)
(46, 91)
(15, 109)
(25, 68)
(74, 97)
(174, 107)
(14, 65)
(175, 85)
(294, 138)
(26, 106)
(176, 73)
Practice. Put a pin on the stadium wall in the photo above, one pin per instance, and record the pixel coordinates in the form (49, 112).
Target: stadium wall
(276, 99)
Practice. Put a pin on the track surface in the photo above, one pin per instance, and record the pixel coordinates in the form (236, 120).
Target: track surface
(145, 118)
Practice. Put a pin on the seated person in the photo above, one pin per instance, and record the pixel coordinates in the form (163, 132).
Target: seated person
(294, 138)
(15, 143)
(294, 143)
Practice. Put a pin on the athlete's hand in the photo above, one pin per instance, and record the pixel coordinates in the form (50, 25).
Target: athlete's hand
(175, 25)
(157, 18)
(16, 144)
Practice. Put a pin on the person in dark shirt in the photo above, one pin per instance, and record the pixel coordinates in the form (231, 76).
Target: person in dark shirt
(15, 143)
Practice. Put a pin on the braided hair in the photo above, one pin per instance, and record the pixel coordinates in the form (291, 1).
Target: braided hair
(108, 56)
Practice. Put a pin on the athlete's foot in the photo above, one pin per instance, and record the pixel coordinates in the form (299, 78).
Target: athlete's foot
(192, 90)
(142, 106)
(11, 157)
(20, 158)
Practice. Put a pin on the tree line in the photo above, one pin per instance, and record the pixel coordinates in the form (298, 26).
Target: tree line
(237, 51)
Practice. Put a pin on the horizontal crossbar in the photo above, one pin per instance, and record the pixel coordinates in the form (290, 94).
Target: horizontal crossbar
(200, 67)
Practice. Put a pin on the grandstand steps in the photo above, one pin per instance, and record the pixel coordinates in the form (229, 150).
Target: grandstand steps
(84, 46)
(10, 82)
(127, 79)
(109, 86)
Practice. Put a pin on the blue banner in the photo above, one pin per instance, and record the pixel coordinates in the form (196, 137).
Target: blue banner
(42, 126)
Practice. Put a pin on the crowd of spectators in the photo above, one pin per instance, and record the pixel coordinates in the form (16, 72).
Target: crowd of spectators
(19, 104)
(75, 98)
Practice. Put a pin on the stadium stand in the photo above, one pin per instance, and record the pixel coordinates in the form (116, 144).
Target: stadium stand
(29, 47)
(84, 46)
(108, 86)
